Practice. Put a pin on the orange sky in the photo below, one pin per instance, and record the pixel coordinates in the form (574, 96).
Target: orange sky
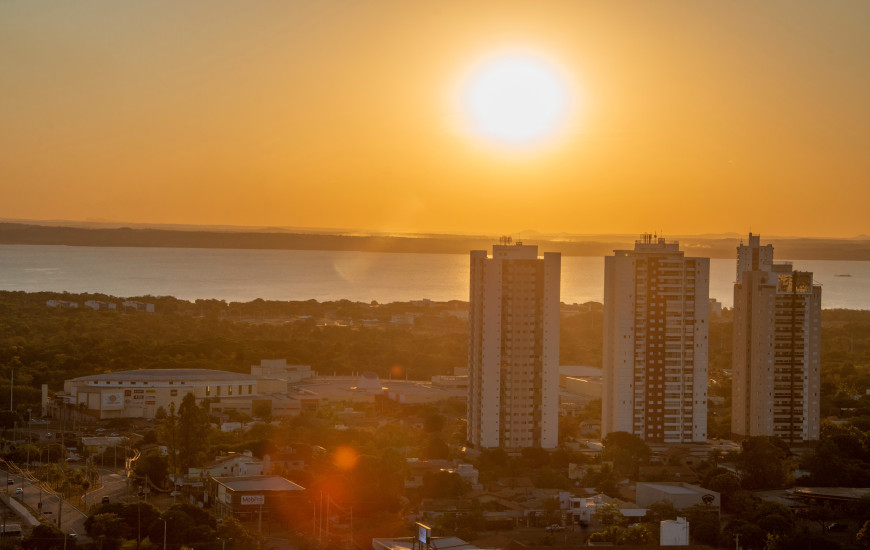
(689, 117)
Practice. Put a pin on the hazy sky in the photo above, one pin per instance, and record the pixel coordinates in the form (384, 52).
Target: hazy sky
(686, 117)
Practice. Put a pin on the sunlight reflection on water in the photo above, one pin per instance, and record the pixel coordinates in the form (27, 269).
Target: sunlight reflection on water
(244, 275)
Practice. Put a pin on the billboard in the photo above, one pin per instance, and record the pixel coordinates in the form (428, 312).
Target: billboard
(424, 533)
(113, 400)
(249, 500)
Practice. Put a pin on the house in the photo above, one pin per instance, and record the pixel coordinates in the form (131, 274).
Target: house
(232, 465)
(63, 304)
(681, 495)
(138, 306)
(99, 444)
(255, 498)
(97, 305)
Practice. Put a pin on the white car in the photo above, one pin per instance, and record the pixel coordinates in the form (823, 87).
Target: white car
(19, 491)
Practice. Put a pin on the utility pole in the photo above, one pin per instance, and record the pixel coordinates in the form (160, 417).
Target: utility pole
(139, 517)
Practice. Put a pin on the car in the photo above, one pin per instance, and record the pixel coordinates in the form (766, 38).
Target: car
(10, 482)
(106, 500)
(19, 491)
(555, 527)
(837, 526)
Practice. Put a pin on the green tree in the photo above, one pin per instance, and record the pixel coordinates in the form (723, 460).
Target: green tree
(764, 463)
(442, 485)
(433, 423)
(178, 525)
(237, 537)
(170, 436)
(153, 466)
(703, 524)
(262, 410)
(533, 457)
(819, 514)
(569, 428)
(800, 541)
(627, 452)
(863, 535)
(751, 536)
(436, 448)
(45, 537)
(638, 534)
(774, 518)
(193, 432)
(727, 484)
(662, 510)
(109, 528)
(611, 533)
(133, 515)
(608, 514)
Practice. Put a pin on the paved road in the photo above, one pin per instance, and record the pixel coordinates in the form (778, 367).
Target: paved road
(112, 485)
(47, 506)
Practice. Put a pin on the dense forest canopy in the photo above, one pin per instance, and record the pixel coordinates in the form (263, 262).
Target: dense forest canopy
(45, 345)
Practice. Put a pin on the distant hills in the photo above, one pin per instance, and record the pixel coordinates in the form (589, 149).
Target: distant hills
(711, 246)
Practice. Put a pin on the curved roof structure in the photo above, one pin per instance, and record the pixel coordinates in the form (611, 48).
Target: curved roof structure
(369, 381)
(157, 375)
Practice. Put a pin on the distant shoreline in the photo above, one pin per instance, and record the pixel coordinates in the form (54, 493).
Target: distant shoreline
(725, 248)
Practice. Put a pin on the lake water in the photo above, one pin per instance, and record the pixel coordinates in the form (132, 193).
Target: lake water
(245, 275)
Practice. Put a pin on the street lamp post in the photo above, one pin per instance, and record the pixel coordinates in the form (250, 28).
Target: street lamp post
(139, 518)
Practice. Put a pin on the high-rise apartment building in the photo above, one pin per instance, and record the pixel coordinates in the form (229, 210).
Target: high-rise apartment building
(513, 351)
(655, 343)
(775, 361)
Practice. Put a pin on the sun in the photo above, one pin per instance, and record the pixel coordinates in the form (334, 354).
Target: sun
(515, 99)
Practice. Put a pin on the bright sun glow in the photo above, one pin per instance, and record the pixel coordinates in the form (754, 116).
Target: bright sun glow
(516, 99)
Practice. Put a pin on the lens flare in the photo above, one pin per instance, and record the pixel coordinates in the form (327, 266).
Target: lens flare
(345, 458)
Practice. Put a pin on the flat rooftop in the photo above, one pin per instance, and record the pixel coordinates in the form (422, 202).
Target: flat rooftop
(259, 483)
(675, 489)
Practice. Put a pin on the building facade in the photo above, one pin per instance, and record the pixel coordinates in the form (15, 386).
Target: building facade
(513, 353)
(655, 343)
(776, 353)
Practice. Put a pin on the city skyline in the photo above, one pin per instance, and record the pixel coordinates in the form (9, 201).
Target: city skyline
(355, 116)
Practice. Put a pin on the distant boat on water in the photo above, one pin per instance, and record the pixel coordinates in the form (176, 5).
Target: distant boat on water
(843, 275)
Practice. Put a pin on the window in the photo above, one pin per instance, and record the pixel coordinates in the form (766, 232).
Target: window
(173, 393)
